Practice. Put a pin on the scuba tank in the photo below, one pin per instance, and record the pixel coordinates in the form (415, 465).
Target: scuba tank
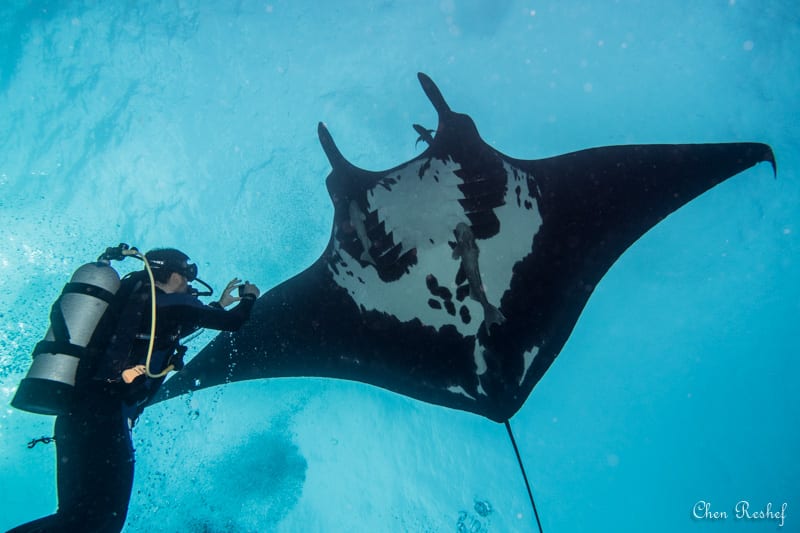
(49, 386)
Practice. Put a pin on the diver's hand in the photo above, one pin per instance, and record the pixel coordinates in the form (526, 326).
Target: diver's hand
(130, 374)
(227, 298)
(249, 288)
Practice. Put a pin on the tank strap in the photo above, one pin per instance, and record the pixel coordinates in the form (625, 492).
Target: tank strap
(74, 287)
(57, 322)
(59, 346)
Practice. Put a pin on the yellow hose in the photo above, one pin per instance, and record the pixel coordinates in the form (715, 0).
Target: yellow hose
(135, 252)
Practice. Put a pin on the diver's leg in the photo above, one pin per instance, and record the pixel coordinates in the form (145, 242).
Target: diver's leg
(112, 472)
(97, 495)
(95, 461)
(72, 456)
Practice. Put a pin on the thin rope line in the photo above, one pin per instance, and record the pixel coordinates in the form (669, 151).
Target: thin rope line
(524, 475)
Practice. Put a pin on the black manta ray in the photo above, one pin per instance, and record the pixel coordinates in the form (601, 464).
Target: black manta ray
(456, 278)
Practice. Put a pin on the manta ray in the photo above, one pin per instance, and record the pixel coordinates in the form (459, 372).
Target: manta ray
(457, 277)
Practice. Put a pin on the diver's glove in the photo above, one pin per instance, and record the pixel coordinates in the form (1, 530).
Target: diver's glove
(129, 375)
(134, 385)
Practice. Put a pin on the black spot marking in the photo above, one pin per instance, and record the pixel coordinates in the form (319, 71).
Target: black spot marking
(443, 293)
(444, 296)
(361, 281)
(424, 168)
(518, 190)
(466, 318)
(349, 273)
(528, 204)
(432, 283)
(335, 262)
(462, 292)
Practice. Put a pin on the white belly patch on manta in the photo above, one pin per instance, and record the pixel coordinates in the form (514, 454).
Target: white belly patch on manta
(420, 210)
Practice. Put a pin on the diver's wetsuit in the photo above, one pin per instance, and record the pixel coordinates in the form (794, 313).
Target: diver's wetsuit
(94, 450)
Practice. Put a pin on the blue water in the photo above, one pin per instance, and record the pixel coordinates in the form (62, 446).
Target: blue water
(193, 124)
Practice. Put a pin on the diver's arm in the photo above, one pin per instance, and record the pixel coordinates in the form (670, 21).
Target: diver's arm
(191, 314)
(220, 319)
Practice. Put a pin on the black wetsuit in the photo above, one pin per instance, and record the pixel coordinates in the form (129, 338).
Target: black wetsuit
(94, 450)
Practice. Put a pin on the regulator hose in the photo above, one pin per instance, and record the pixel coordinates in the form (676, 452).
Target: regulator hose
(136, 253)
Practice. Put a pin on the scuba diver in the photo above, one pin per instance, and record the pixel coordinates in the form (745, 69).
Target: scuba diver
(94, 447)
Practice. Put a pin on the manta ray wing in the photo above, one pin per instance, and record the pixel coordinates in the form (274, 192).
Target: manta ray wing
(456, 278)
